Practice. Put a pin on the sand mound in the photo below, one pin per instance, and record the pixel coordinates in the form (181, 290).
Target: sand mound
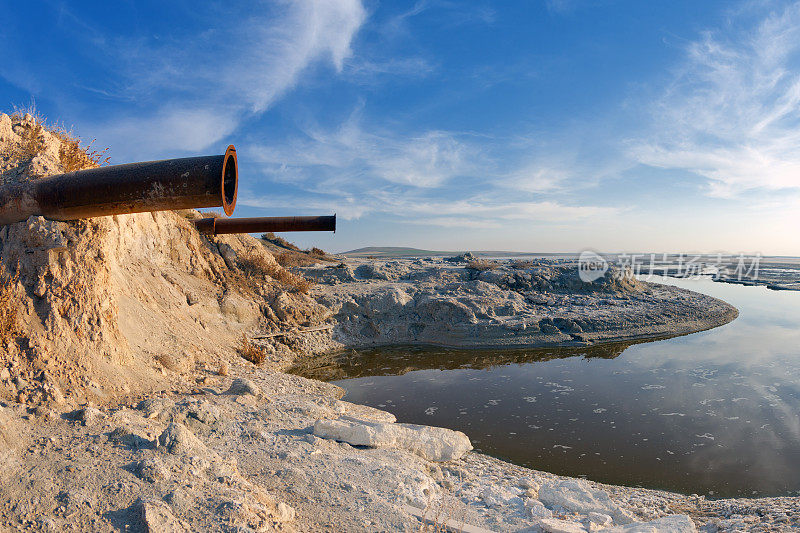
(124, 303)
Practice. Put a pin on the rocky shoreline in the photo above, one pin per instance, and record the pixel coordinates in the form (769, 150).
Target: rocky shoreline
(461, 302)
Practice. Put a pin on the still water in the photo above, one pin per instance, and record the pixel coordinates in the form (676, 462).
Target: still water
(715, 412)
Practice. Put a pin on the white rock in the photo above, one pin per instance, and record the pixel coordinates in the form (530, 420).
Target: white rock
(537, 509)
(153, 470)
(158, 518)
(576, 496)
(205, 412)
(393, 297)
(284, 513)
(531, 493)
(431, 443)
(600, 518)
(668, 524)
(529, 483)
(152, 407)
(497, 497)
(554, 525)
(50, 525)
(242, 386)
(362, 411)
(598, 521)
(177, 439)
(89, 415)
(239, 309)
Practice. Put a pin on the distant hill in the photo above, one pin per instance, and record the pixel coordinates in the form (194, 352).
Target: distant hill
(400, 251)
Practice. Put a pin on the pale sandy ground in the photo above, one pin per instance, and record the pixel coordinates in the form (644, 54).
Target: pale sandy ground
(254, 455)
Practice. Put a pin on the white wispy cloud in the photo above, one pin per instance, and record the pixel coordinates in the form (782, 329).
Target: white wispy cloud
(282, 48)
(193, 92)
(559, 6)
(426, 159)
(457, 222)
(474, 211)
(732, 116)
(541, 175)
(371, 71)
(435, 178)
(501, 211)
(324, 157)
(453, 14)
(562, 7)
(183, 128)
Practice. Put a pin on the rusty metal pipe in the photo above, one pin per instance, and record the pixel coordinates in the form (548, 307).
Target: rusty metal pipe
(219, 226)
(192, 182)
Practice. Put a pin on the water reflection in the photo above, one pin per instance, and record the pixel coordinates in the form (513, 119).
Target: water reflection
(715, 412)
(400, 360)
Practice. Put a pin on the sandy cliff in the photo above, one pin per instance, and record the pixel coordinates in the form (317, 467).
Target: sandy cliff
(115, 304)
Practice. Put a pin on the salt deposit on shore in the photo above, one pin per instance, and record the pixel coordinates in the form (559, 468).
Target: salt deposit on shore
(252, 458)
(511, 304)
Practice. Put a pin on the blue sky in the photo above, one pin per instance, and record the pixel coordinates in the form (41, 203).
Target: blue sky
(550, 126)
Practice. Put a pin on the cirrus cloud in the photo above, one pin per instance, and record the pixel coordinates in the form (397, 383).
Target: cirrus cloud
(732, 115)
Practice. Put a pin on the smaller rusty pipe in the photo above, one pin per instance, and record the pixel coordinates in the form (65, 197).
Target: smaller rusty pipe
(219, 226)
(191, 182)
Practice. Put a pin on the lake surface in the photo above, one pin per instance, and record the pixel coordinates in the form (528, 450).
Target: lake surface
(714, 413)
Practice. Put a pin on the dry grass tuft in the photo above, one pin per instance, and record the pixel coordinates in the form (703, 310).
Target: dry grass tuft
(71, 154)
(75, 157)
(480, 265)
(188, 214)
(18, 113)
(8, 307)
(317, 252)
(302, 284)
(256, 266)
(279, 241)
(292, 259)
(32, 142)
(251, 352)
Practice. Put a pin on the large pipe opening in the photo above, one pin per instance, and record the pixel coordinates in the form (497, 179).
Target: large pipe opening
(230, 181)
(191, 182)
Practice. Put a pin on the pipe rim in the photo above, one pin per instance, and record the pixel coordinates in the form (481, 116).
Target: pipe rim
(230, 180)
